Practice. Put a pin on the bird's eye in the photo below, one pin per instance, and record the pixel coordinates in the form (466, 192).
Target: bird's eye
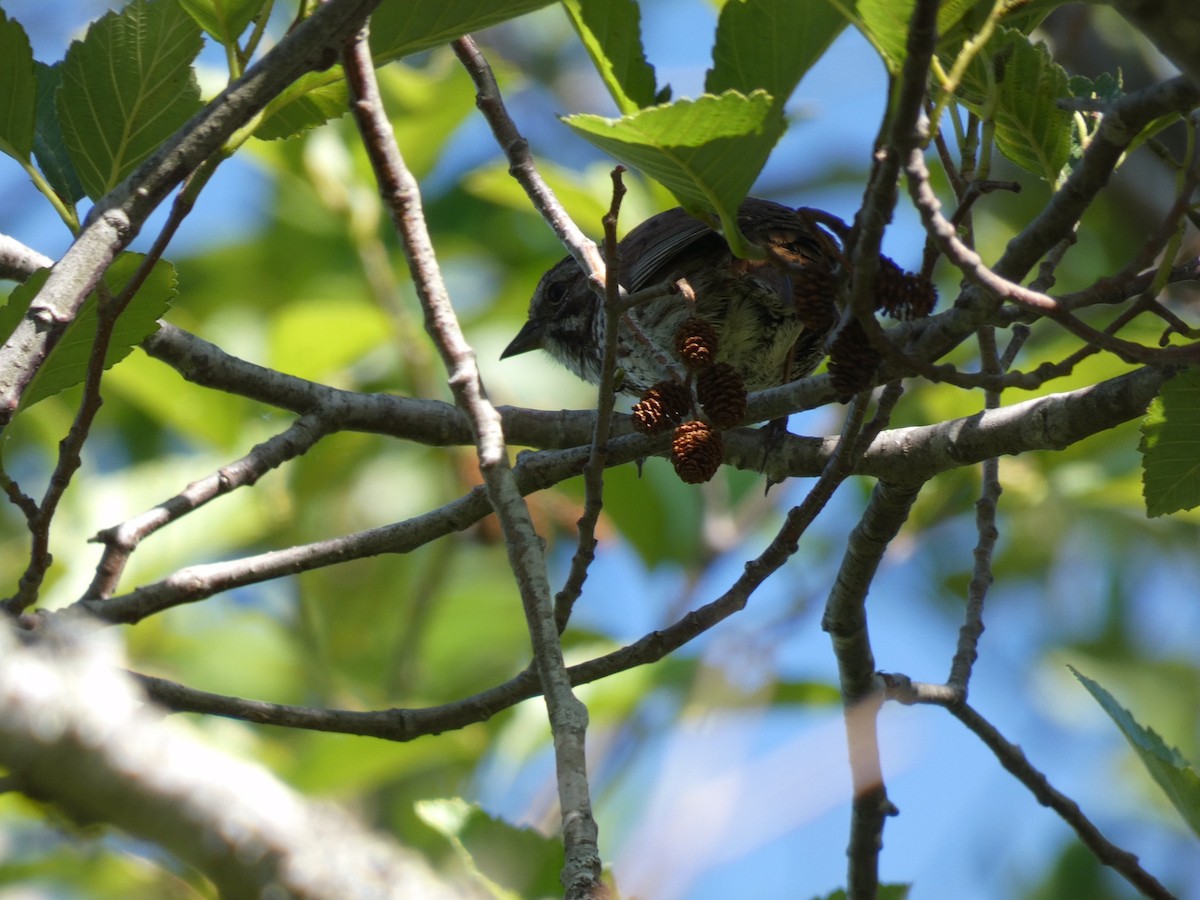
(556, 291)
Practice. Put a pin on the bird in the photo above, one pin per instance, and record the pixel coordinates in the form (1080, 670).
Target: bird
(770, 316)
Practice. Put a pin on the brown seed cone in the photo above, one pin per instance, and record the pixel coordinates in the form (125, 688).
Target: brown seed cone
(852, 361)
(662, 406)
(722, 395)
(696, 452)
(812, 293)
(696, 343)
(903, 295)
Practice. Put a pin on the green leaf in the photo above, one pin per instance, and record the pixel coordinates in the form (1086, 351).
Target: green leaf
(1016, 85)
(126, 87)
(770, 44)
(885, 24)
(225, 20)
(1178, 780)
(49, 147)
(18, 90)
(1106, 86)
(707, 151)
(612, 34)
(67, 363)
(1170, 446)
(400, 27)
(514, 862)
(311, 100)
(397, 29)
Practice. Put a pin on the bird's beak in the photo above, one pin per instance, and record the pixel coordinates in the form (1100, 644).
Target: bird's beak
(528, 338)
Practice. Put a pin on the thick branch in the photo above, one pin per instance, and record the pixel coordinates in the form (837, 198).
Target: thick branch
(118, 216)
(74, 731)
(1050, 422)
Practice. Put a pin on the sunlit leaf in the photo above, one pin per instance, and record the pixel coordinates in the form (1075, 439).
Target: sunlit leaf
(611, 33)
(1178, 780)
(707, 152)
(397, 29)
(1016, 85)
(223, 19)
(126, 87)
(400, 27)
(1170, 446)
(312, 100)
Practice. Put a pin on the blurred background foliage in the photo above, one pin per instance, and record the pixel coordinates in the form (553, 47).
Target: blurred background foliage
(719, 771)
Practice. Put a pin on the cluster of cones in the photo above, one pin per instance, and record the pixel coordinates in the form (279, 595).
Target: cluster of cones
(716, 389)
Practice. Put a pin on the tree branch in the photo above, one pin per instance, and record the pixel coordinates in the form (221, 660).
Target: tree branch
(904, 690)
(117, 217)
(568, 716)
(74, 731)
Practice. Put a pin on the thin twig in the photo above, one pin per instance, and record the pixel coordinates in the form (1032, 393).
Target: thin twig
(568, 716)
(121, 540)
(985, 526)
(520, 161)
(845, 613)
(593, 473)
(970, 264)
(1014, 760)
(109, 310)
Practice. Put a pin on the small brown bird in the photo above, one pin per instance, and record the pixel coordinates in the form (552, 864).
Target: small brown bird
(767, 324)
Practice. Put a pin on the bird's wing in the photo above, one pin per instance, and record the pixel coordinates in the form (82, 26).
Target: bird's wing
(648, 251)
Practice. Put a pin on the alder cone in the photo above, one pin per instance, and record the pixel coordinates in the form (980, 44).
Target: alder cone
(696, 343)
(662, 406)
(696, 452)
(901, 294)
(722, 395)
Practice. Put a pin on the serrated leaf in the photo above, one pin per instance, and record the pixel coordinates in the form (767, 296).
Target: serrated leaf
(49, 148)
(311, 100)
(126, 87)
(612, 35)
(18, 90)
(67, 363)
(1016, 85)
(885, 24)
(1106, 86)
(770, 44)
(1178, 780)
(513, 862)
(400, 27)
(707, 151)
(1170, 446)
(225, 20)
